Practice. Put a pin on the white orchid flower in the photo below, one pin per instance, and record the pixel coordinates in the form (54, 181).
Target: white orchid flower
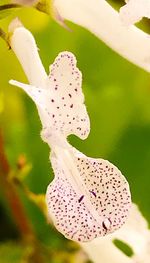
(134, 10)
(88, 197)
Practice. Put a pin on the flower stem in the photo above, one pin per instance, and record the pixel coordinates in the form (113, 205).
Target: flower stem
(13, 199)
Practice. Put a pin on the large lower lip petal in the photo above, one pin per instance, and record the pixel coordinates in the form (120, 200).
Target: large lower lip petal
(108, 194)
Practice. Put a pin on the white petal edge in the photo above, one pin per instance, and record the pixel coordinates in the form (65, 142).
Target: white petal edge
(134, 11)
(38, 100)
(102, 20)
(24, 46)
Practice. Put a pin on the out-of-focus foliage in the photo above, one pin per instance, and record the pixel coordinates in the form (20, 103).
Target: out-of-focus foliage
(10, 253)
(117, 96)
(6, 8)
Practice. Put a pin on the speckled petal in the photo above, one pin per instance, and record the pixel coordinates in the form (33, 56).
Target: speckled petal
(65, 81)
(103, 187)
(110, 194)
(62, 103)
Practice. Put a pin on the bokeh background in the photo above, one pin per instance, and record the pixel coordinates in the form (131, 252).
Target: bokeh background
(117, 96)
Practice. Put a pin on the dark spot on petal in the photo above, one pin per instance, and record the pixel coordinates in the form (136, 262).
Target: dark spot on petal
(81, 198)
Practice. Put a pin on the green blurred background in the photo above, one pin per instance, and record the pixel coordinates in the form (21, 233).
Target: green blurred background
(117, 96)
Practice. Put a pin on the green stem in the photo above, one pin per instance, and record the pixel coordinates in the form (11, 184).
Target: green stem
(9, 6)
